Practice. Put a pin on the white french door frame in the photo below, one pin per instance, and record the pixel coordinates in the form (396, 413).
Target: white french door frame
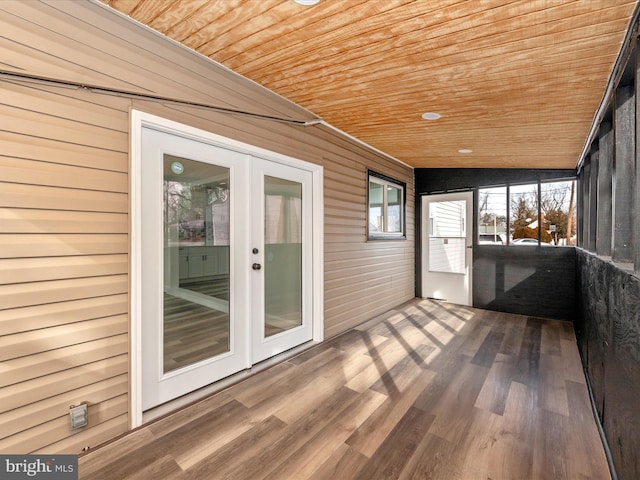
(138, 121)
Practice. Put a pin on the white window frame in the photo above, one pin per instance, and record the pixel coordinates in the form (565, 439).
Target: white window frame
(385, 182)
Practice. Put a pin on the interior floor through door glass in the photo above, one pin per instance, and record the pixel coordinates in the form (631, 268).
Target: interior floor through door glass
(196, 261)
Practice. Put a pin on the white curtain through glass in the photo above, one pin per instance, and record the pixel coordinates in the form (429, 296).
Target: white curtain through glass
(283, 255)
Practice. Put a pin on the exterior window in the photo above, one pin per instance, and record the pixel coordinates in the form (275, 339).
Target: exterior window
(492, 216)
(386, 200)
(523, 215)
(554, 202)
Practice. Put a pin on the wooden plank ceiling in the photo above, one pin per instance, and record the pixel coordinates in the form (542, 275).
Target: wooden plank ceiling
(516, 82)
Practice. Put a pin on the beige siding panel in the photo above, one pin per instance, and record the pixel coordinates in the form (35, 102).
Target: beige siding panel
(14, 170)
(60, 102)
(355, 262)
(343, 189)
(347, 292)
(341, 205)
(351, 195)
(22, 295)
(55, 314)
(29, 416)
(350, 173)
(336, 222)
(75, 55)
(336, 238)
(340, 292)
(18, 220)
(355, 231)
(39, 364)
(31, 196)
(25, 122)
(22, 270)
(351, 274)
(286, 139)
(34, 342)
(28, 246)
(26, 60)
(38, 389)
(345, 318)
(58, 429)
(372, 253)
(54, 151)
(40, 64)
(334, 212)
(89, 437)
(337, 247)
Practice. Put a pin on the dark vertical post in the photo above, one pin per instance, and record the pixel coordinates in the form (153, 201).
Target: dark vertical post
(605, 168)
(580, 205)
(540, 222)
(585, 182)
(509, 232)
(624, 176)
(593, 196)
(636, 204)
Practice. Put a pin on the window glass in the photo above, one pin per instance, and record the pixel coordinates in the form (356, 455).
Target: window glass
(556, 225)
(557, 205)
(492, 216)
(376, 197)
(394, 209)
(385, 210)
(523, 215)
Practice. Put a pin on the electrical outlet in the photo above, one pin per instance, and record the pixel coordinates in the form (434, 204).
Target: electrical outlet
(78, 416)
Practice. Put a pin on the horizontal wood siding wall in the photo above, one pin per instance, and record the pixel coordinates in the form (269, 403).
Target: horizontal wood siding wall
(63, 266)
(64, 210)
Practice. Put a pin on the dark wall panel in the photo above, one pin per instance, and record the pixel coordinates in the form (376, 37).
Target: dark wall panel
(538, 281)
(608, 329)
(436, 180)
(595, 326)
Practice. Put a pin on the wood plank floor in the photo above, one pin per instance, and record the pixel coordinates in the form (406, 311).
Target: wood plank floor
(427, 391)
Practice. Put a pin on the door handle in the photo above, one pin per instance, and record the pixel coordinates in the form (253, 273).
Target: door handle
(256, 266)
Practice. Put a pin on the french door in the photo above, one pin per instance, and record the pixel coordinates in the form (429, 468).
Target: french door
(226, 269)
(447, 242)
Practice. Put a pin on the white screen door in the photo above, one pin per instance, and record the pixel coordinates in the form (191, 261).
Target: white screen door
(447, 247)
(226, 263)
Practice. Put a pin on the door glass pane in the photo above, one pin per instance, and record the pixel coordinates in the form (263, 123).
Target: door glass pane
(447, 236)
(283, 255)
(196, 261)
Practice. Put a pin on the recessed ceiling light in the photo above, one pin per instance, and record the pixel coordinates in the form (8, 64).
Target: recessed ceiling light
(306, 3)
(465, 150)
(431, 116)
